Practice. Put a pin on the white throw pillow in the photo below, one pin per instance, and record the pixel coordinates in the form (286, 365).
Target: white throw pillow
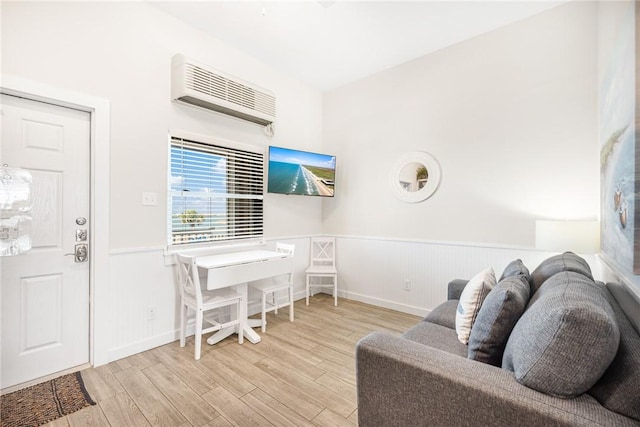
(471, 299)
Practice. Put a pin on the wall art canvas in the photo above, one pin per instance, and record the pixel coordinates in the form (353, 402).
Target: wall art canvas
(619, 153)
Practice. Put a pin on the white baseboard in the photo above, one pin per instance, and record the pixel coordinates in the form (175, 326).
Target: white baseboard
(144, 345)
(404, 308)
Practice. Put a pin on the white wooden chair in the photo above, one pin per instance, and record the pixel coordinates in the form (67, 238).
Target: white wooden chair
(269, 288)
(322, 264)
(193, 297)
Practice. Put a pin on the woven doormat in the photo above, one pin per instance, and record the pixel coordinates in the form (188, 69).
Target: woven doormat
(37, 405)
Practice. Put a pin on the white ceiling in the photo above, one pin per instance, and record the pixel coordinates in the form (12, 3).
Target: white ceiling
(327, 44)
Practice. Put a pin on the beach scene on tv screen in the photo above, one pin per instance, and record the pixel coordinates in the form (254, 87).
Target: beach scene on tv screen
(301, 172)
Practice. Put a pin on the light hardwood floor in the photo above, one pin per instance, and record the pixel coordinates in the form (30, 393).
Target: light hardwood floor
(300, 374)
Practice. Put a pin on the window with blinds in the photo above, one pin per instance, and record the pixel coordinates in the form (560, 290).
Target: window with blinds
(215, 193)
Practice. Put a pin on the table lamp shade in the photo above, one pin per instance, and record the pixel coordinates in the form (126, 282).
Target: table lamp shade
(575, 236)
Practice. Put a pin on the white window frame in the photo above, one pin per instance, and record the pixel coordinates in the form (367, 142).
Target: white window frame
(235, 232)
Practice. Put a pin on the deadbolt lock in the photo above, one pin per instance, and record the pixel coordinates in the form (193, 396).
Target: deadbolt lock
(81, 235)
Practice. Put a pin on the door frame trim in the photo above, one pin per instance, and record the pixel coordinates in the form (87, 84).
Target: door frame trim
(100, 110)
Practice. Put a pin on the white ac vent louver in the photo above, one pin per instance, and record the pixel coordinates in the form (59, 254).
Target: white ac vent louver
(200, 85)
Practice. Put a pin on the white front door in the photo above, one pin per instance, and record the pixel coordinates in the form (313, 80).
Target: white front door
(45, 293)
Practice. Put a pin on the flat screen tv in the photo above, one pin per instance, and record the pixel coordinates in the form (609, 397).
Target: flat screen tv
(300, 172)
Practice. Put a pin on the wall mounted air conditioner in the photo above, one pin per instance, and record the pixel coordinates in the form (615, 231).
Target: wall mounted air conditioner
(197, 84)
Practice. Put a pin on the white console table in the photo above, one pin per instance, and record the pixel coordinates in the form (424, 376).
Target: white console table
(236, 269)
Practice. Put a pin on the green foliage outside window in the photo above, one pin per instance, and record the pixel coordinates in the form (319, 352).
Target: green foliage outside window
(191, 217)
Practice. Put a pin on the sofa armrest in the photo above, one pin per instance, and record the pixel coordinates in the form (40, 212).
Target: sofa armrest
(404, 383)
(455, 287)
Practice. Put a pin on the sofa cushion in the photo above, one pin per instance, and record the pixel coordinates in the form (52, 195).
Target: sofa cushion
(566, 338)
(618, 388)
(455, 288)
(567, 261)
(498, 315)
(436, 336)
(471, 300)
(515, 268)
(444, 314)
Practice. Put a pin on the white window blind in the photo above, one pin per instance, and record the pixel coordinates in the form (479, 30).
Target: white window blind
(215, 193)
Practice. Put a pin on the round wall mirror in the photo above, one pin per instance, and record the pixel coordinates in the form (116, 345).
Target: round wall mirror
(415, 176)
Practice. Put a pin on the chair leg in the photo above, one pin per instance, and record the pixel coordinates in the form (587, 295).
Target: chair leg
(273, 300)
(183, 324)
(198, 335)
(307, 289)
(335, 290)
(264, 312)
(291, 303)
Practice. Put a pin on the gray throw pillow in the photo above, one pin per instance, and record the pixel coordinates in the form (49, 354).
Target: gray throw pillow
(566, 338)
(567, 261)
(617, 390)
(515, 268)
(444, 314)
(498, 315)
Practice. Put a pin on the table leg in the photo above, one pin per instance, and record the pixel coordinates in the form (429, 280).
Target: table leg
(221, 334)
(245, 323)
(251, 335)
(245, 327)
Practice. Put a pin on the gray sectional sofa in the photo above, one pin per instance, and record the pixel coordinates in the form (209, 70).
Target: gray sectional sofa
(550, 348)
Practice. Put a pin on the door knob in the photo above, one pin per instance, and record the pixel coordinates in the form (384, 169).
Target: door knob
(81, 252)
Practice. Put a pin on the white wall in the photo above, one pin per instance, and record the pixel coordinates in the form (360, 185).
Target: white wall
(510, 116)
(121, 52)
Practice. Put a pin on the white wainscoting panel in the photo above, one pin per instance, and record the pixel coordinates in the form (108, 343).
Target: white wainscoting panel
(374, 270)
(142, 279)
(371, 270)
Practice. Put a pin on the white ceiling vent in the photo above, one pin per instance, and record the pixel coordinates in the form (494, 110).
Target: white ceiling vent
(197, 84)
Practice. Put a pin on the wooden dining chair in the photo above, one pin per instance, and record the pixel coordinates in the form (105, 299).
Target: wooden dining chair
(202, 303)
(269, 289)
(322, 264)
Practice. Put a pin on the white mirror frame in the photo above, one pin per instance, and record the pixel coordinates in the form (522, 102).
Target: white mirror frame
(433, 168)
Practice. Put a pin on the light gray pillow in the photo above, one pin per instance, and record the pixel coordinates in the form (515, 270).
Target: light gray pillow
(498, 315)
(567, 261)
(566, 338)
(515, 268)
(471, 300)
